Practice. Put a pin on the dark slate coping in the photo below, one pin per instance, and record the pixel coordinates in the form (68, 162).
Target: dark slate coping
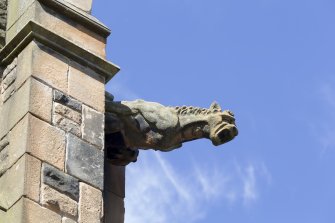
(85, 161)
(60, 181)
(66, 100)
(34, 31)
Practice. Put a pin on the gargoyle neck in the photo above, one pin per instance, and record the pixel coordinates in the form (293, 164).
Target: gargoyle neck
(194, 127)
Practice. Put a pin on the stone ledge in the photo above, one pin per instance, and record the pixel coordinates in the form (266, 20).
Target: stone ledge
(34, 31)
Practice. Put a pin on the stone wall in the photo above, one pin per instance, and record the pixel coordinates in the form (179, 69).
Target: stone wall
(52, 89)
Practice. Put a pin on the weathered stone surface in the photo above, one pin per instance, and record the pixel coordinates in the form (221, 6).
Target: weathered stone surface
(40, 100)
(58, 202)
(9, 68)
(3, 143)
(67, 112)
(46, 142)
(87, 86)
(64, 99)
(27, 211)
(50, 66)
(150, 125)
(8, 93)
(90, 204)
(16, 9)
(78, 34)
(114, 208)
(60, 181)
(93, 126)
(22, 179)
(8, 80)
(43, 63)
(67, 220)
(84, 161)
(3, 22)
(83, 5)
(17, 146)
(115, 179)
(66, 124)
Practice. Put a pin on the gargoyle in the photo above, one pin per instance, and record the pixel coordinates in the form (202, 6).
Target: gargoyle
(133, 125)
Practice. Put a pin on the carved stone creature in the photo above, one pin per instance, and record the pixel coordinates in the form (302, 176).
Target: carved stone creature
(132, 125)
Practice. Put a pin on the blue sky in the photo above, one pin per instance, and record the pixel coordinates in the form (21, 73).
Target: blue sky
(272, 63)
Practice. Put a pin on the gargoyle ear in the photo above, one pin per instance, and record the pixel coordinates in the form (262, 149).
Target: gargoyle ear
(215, 106)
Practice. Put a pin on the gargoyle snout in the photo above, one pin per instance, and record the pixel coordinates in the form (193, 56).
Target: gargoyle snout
(224, 134)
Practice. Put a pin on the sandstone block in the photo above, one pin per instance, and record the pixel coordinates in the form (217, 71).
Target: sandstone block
(17, 140)
(9, 68)
(60, 181)
(9, 79)
(67, 124)
(40, 100)
(46, 142)
(90, 204)
(83, 5)
(66, 100)
(22, 179)
(93, 126)
(114, 208)
(8, 93)
(3, 143)
(15, 9)
(43, 63)
(58, 202)
(67, 112)
(27, 211)
(84, 161)
(67, 220)
(87, 86)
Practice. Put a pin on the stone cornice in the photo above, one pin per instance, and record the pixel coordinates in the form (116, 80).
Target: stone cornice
(78, 15)
(34, 31)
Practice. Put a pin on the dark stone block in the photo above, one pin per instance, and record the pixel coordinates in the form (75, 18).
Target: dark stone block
(60, 181)
(64, 99)
(85, 161)
(115, 179)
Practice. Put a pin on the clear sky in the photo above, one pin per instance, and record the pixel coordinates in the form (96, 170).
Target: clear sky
(272, 62)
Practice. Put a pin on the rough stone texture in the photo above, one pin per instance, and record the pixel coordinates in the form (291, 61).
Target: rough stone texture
(43, 63)
(15, 10)
(67, 101)
(115, 211)
(55, 21)
(115, 179)
(17, 146)
(150, 125)
(83, 5)
(60, 181)
(46, 142)
(90, 204)
(3, 22)
(22, 179)
(68, 220)
(32, 96)
(6, 94)
(10, 67)
(67, 125)
(93, 126)
(40, 100)
(84, 161)
(27, 211)
(87, 86)
(67, 113)
(58, 202)
(8, 80)
(3, 143)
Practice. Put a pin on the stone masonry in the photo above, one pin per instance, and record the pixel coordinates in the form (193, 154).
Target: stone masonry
(52, 98)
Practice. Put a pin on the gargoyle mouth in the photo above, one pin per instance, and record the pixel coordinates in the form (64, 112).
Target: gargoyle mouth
(224, 134)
